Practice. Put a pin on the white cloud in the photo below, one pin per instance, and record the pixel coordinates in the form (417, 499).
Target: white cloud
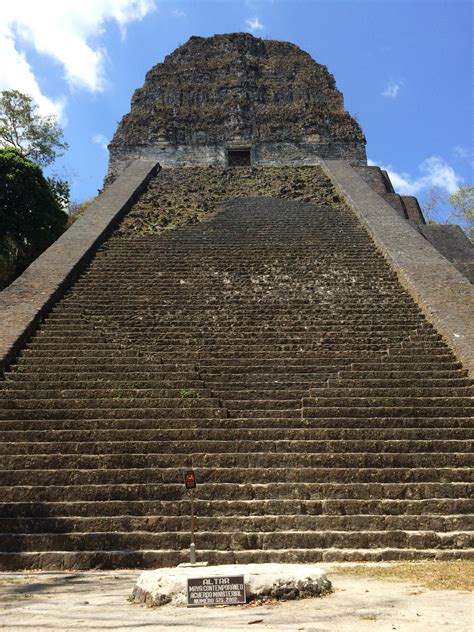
(392, 89)
(254, 24)
(100, 139)
(461, 152)
(435, 173)
(67, 31)
(16, 73)
(178, 13)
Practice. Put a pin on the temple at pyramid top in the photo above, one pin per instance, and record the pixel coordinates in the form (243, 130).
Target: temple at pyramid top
(236, 99)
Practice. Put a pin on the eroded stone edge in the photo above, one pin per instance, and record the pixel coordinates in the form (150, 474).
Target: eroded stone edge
(28, 298)
(443, 294)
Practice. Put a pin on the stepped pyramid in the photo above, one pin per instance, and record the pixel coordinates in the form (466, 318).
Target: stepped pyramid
(252, 302)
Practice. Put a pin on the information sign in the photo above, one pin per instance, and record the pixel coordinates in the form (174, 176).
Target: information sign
(212, 591)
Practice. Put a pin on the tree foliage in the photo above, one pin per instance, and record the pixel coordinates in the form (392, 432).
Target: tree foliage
(458, 208)
(462, 203)
(31, 218)
(61, 190)
(38, 138)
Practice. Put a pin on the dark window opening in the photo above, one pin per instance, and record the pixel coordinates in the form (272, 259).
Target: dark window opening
(238, 157)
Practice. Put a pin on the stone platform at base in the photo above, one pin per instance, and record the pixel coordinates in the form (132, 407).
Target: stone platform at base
(279, 581)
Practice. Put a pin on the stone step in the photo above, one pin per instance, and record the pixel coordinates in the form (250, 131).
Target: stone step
(119, 412)
(243, 445)
(272, 316)
(339, 384)
(123, 347)
(210, 375)
(138, 401)
(93, 560)
(170, 475)
(321, 412)
(209, 365)
(394, 391)
(153, 367)
(203, 379)
(266, 523)
(181, 390)
(55, 326)
(76, 422)
(235, 434)
(157, 377)
(35, 356)
(201, 326)
(168, 387)
(348, 303)
(197, 392)
(239, 460)
(382, 400)
(231, 491)
(254, 507)
(434, 373)
(49, 336)
(242, 540)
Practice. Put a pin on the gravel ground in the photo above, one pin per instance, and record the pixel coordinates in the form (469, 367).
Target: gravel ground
(98, 601)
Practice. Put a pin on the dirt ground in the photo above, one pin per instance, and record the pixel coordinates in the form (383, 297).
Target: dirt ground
(64, 602)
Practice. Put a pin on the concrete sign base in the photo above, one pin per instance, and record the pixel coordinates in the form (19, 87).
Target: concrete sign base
(279, 581)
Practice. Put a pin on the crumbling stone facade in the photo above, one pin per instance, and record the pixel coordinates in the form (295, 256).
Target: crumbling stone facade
(237, 93)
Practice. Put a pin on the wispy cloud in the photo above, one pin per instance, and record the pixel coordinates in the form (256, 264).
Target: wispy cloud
(462, 152)
(178, 13)
(254, 25)
(70, 34)
(392, 89)
(435, 173)
(100, 139)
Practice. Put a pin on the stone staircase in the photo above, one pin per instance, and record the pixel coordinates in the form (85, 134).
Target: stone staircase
(273, 350)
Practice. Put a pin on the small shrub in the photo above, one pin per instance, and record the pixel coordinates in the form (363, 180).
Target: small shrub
(188, 393)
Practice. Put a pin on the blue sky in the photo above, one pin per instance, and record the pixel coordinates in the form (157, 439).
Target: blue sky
(404, 67)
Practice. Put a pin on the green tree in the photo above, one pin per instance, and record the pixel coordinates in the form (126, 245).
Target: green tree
(462, 203)
(31, 218)
(38, 138)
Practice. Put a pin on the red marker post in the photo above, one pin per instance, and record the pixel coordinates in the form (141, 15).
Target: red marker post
(190, 484)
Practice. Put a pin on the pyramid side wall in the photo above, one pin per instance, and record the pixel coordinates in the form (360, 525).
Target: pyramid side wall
(25, 302)
(444, 295)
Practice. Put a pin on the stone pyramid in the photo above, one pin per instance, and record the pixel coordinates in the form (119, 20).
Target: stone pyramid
(247, 298)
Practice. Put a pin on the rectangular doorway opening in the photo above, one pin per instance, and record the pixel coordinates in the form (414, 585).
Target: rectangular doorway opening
(238, 157)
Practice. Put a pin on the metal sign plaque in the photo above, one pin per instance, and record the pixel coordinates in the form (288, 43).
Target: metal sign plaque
(190, 479)
(213, 591)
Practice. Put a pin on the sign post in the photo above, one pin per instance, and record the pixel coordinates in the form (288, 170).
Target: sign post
(190, 484)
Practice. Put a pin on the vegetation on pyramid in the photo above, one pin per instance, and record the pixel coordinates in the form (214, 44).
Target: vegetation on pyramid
(180, 196)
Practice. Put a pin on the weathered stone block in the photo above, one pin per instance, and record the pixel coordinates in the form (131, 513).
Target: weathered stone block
(278, 581)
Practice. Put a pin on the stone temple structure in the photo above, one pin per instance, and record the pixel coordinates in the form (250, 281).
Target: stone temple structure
(240, 100)
(222, 100)
(246, 298)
